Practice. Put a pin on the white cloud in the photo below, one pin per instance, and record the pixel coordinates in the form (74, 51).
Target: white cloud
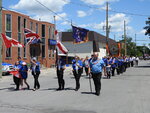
(61, 16)
(115, 21)
(97, 2)
(142, 31)
(81, 13)
(104, 8)
(38, 11)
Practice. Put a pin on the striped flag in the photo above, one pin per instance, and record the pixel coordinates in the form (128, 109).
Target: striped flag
(60, 47)
(31, 37)
(10, 42)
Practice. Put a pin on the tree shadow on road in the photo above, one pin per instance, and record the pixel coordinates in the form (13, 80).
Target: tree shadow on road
(142, 67)
(9, 88)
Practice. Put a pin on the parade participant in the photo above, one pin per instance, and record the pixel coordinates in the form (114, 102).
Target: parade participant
(96, 66)
(24, 74)
(136, 61)
(77, 71)
(86, 65)
(20, 61)
(113, 66)
(20, 65)
(60, 72)
(16, 75)
(35, 67)
(117, 66)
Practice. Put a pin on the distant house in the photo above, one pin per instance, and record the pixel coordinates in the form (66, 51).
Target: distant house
(96, 43)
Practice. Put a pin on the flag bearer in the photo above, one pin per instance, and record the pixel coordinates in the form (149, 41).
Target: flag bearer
(60, 73)
(77, 71)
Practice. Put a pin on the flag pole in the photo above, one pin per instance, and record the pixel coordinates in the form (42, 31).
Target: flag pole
(90, 83)
(0, 38)
(55, 38)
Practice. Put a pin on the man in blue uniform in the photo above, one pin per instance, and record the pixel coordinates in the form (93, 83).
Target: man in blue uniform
(96, 67)
(60, 73)
(77, 71)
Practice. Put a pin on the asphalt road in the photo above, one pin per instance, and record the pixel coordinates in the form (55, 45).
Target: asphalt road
(126, 93)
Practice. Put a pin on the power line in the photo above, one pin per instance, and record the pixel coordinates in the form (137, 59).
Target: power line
(110, 10)
(53, 11)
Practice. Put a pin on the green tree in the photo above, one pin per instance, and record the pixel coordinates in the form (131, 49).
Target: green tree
(147, 27)
(133, 50)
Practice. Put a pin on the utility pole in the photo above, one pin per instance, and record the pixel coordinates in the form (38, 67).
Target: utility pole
(0, 38)
(107, 29)
(114, 37)
(125, 39)
(135, 39)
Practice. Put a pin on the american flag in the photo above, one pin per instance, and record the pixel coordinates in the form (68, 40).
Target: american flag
(31, 36)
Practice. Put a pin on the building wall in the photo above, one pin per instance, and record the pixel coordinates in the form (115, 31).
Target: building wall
(46, 61)
(81, 50)
(84, 49)
(102, 48)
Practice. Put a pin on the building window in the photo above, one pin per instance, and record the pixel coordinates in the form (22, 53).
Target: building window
(43, 30)
(24, 49)
(24, 23)
(19, 24)
(53, 33)
(8, 50)
(19, 39)
(31, 25)
(37, 27)
(49, 32)
(52, 53)
(8, 22)
(43, 47)
(8, 33)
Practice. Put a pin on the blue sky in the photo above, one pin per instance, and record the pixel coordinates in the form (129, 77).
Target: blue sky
(90, 18)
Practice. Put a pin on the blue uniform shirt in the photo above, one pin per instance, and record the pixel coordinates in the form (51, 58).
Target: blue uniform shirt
(74, 66)
(96, 65)
(61, 64)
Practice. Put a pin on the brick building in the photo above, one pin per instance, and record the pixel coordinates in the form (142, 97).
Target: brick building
(13, 24)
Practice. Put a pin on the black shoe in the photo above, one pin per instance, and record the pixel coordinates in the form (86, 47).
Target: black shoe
(97, 94)
(58, 89)
(28, 87)
(76, 89)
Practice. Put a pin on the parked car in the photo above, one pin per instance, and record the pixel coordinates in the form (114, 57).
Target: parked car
(6, 68)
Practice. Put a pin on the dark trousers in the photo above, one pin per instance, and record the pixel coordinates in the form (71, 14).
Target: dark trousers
(86, 71)
(113, 71)
(97, 81)
(132, 64)
(77, 75)
(61, 82)
(36, 81)
(17, 82)
(118, 70)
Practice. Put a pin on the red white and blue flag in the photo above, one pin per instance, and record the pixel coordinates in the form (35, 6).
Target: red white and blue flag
(10, 42)
(31, 37)
(60, 47)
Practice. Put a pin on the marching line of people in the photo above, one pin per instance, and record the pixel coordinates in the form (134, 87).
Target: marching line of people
(94, 68)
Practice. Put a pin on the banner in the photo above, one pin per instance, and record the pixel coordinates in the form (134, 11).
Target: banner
(80, 35)
(52, 42)
(114, 49)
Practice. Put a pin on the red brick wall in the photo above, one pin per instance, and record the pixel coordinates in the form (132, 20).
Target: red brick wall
(47, 62)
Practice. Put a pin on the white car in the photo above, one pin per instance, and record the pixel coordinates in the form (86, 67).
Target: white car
(6, 68)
